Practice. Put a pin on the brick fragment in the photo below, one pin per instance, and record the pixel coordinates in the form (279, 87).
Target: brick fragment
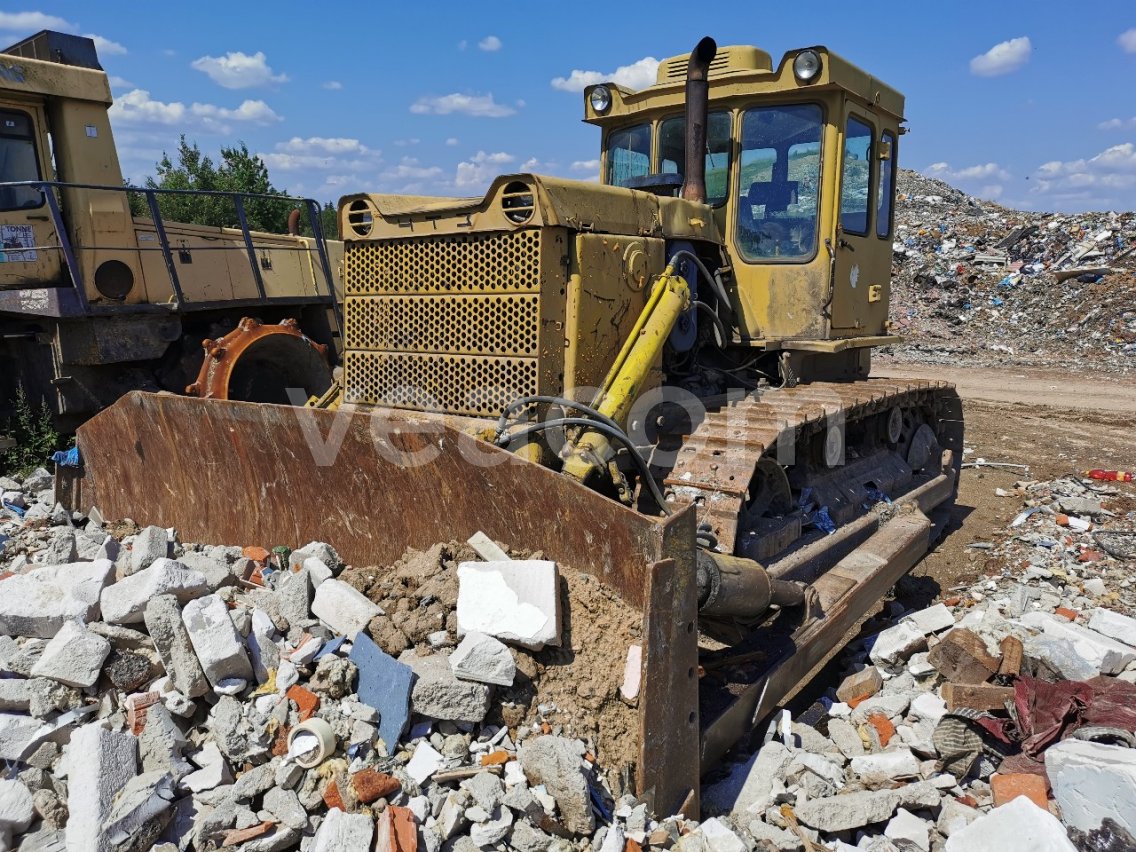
(236, 836)
(1008, 787)
(370, 785)
(306, 700)
(885, 730)
(397, 831)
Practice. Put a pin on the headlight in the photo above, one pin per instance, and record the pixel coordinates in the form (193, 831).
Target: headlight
(600, 98)
(807, 66)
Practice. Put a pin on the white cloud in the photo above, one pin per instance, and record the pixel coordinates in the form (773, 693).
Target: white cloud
(985, 171)
(138, 108)
(409, 168)
(333, 85)
(105, 46)
(1106, 180)
(479, 106)
(322, 153)
(586, 166)
(1127, 40)
(476, 172)
(117, 82)
(339, 145)
(1002, 58)
(33, 22)
(236, 70)
(489, 44)
(452, 141)
(1118, 124)
(993, 192)
(637, 75)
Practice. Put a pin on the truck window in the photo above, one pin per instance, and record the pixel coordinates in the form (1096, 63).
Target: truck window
(780, 182)
(18, 162)
(628, 154)
(856, 186)
(887, 185)
(672, 152)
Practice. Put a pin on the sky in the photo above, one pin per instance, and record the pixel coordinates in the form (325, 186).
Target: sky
(1027, 103)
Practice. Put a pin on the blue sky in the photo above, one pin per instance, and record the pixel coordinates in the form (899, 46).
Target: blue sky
(1029, 103)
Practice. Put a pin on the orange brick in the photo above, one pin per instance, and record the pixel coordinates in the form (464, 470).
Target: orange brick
(306, 700)
(397, 831)
(255, 553)
(632, 846)
(370, 784)
(331, 796)
(240, 835)
(495, 758)
(952, 601)
(1065, 612)
(884, 728)
(1091, 556)
(280, 742)
(1008, 787)
(136, 706)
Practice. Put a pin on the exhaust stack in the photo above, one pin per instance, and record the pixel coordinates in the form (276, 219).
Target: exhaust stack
(697, 95)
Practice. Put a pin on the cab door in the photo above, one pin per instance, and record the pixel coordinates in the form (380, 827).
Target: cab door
(859, 275)
(29, 245)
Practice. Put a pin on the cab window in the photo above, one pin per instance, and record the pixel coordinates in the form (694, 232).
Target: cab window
(18, 162)
(628, 154)
(856, 186)
(888, 156)
(779, 182)
(672, 152)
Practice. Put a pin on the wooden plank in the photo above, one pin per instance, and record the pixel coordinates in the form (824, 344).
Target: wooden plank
(976, 696)
(1012, 653)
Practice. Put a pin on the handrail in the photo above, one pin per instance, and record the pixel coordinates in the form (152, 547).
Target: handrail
(151, 194)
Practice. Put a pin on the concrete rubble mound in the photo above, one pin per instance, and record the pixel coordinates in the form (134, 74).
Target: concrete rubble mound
(975, 282)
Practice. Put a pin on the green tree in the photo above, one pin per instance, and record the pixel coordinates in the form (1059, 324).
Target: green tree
(238, 171)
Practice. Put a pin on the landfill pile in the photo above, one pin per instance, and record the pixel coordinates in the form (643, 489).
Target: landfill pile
(976, 283)
(168, 695)
(1001, 718)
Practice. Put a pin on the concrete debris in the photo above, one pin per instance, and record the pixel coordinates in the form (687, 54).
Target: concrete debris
(344, 609)
(73, 657)
(38, 602)
(516, 600)
(216, 642)
(125, 602)
(1019, 826)
(1093, 782)
(484, 659)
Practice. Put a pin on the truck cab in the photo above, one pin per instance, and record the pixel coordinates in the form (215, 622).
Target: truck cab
(800, 169)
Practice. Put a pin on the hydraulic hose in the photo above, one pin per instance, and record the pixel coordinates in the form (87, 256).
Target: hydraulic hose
(611, 432)
(714, 318)
(714, 280)
(521, 402)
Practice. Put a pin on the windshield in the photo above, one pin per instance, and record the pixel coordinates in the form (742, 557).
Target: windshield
(672, 152)
(18, 162)
(780, 182)
(628, 154)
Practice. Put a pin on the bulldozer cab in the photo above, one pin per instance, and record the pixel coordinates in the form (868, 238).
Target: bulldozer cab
(800, 174)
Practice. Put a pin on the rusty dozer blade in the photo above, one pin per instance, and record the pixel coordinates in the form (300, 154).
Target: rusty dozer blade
(374, 482)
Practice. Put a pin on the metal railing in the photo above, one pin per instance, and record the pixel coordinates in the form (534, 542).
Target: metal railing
(238, 199)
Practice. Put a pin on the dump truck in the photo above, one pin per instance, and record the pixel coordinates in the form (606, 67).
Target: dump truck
(95, 300)
(661, 379)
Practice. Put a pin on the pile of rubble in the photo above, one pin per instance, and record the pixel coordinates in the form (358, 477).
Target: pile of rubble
(155, 694)
(975, 281)
(969, 724)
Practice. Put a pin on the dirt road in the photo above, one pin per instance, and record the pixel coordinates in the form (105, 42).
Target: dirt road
(1051, 421)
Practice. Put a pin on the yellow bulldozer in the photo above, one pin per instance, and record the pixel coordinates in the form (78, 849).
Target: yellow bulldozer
(97, 299)
(661, 379)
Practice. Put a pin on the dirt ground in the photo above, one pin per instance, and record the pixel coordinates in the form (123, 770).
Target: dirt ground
(1049, 420)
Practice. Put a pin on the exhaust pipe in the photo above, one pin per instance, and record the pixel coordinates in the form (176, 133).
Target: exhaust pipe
(697, 95)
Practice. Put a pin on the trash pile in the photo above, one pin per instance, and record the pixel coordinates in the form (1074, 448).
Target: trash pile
(977, 281)
(167, 695)
(1002, 718)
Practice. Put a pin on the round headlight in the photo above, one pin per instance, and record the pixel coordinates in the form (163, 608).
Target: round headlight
(807, 66)
(600, 98)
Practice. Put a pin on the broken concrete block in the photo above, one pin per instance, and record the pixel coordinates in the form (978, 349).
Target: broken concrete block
(218, 573)
(439, 694)
(61, 547)
(1020, 826)
(483, 659)
(161, 743)
(885, 766)
(516, 601)
(557, 763)
(141, 810)
(263, 650)
(151, 544)
(294, 591)
(929, 706)
(163, 619)
(1122, 628)
(492, 830)
(125, 602)
(933, 619)
(894, 645)
(17, 809)
(16, 734)
(849, 810)
(100, 764)
(39, 602)
(906, 826)
(385, 685)
(343, 608)
(285, 807)
(961, 657)
(1092, 782)
(213, 770)
(748, 788)
(215, 640)
(955, 816)
(318, 571)
(343, 832)
(74, 657)
(846, 737)
(1108, 655)
(860, 685)
(1060, 656)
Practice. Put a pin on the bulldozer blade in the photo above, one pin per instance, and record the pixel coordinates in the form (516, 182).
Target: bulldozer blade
(374, 482)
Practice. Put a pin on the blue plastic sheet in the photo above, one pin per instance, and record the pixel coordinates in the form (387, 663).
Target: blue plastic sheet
(67, 458)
